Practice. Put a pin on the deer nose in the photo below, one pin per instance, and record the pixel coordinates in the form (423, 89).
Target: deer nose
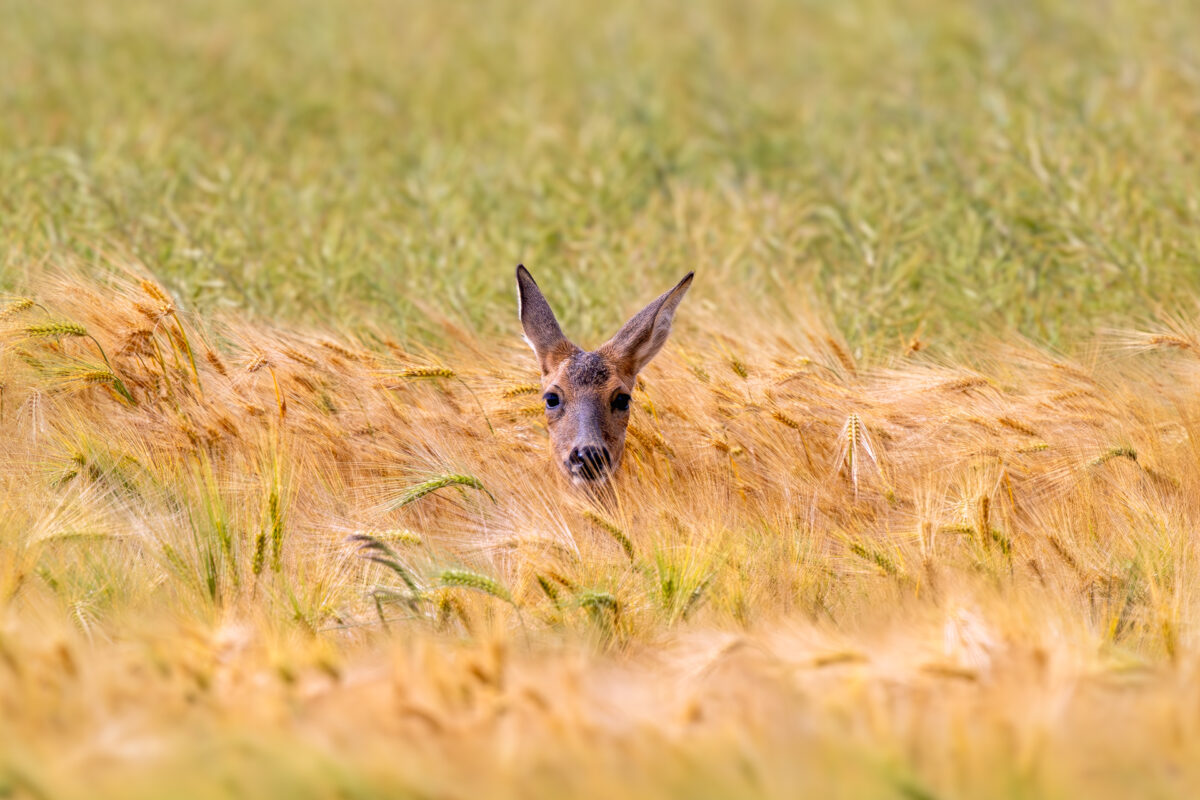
(590, 462)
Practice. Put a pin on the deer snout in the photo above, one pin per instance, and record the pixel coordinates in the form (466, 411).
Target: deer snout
(589, 462)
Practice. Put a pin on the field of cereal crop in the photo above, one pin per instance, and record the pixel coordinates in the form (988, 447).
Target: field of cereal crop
(909, 503)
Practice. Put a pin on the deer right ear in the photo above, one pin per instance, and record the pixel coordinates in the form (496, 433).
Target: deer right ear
(540, 326)
(640, 339)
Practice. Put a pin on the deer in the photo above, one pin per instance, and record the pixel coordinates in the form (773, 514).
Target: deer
(587, 393)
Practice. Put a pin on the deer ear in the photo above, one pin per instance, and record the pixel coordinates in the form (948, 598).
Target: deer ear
(540, 326)
(640, 339)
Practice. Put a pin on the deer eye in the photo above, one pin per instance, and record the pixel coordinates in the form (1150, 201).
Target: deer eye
(621, 402)
(552, 400)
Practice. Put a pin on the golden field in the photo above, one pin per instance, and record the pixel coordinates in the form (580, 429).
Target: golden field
(921, 579)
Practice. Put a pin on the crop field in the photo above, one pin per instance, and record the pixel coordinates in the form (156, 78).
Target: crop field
(909, 502)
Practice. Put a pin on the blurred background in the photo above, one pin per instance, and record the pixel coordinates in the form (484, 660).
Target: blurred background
(957, 168)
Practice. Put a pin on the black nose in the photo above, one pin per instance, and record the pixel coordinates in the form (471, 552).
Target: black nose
(591, 462)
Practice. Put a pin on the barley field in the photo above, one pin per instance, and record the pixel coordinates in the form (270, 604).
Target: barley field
(909, 503)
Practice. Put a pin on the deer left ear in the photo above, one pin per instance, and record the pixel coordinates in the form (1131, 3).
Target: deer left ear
(640, 339)
(540, 326)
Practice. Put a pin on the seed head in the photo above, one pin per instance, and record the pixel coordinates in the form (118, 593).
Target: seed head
(154, 291)
(518, 389)
(50, 330)
(426, 372)
(14, 308)
(214, 359)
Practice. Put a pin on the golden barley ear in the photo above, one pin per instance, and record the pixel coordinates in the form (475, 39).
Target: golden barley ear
(640, 339)
(539, 323)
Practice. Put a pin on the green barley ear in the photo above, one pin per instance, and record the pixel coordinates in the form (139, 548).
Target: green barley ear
(473, 580)
(54, 330)
(599, 602)
(274, 509)
(394, 535)
(1113, 452)
(58, 329)
(876, 557)
(995, 536)
(447, 606)
(417, 491)
(694, 598)
(90, 375)
(29, 358)
(16, 307)
(603, 609)
(110, 378)
(549, 589)
(275, 525)
(260, 553)
(611, 529)
(373, 549)
(174, 559)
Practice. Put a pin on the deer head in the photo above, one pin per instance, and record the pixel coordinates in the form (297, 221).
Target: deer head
(587, 393)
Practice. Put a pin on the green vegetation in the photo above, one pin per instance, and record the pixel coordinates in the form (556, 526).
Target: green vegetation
(968, 167)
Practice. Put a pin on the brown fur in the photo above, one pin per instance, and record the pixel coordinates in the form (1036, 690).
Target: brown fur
(588, 384)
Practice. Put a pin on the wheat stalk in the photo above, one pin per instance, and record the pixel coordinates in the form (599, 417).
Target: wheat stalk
(548, 589)
(1017, 425)
(518, 389)
(16, 307)
(300, 358)
(784, 419)
(417, 491)
(396, 535)
(1114, 452)
(412, 373)
(55, 329)
(474, 580)
(611, 529)
(426, 373)
(260, 553)
(345, 353)
(530, 410)
(1171, 340)
(375, 549)
(876, 557)
(602, 607)
(152, 289)
(854, 437)
(964, 384)
(275, 526)
(99, 376)
(842, 355)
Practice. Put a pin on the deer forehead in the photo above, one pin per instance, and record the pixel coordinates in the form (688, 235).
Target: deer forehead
(586, 372)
